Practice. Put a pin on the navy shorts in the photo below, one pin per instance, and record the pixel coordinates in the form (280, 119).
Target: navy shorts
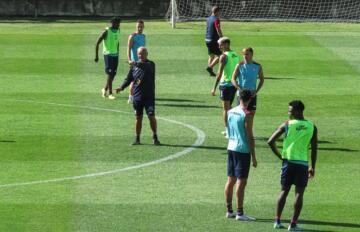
(213, 48)
(252, 103)
(238, 164)
(149, 106)
(294, 174)
(227, 93)
(111, 64)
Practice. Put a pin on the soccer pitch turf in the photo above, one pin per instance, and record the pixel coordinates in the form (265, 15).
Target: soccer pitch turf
(55, 125)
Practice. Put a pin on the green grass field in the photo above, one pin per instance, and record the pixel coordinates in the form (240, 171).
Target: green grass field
(55, 126)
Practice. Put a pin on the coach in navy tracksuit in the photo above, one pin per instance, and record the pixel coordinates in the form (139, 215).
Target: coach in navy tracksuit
(213, 33)
(142, 73)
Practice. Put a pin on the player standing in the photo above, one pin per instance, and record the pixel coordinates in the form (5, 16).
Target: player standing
(142, 73)
(213, 33)
(241, 150)
(228, 61)
(136, 40)
(299, 135)
(110, 38)
(245, 76)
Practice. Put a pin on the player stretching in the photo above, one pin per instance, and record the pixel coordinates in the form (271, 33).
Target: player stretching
(110, 38)
(213, 33)
(241, 150)
(142, 73)
(245, 76)
(136, 40)
(299, 134)
(228, 61)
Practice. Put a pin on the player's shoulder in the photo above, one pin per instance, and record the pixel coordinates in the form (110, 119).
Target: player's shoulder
(242, 63)
(256, 63)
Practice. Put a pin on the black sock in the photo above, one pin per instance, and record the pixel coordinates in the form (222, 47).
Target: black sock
(240, 211)
(137, 137)
(155, 137)
(229, 208)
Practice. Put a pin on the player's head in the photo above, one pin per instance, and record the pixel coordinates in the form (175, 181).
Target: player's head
(248, 54)
(140, 26)
(245, 96)
(215, 10)
(296, 109)
(224, 43)
(142, 53)
(115, 22)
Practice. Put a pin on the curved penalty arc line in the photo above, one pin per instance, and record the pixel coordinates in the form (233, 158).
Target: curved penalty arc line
(199, 141)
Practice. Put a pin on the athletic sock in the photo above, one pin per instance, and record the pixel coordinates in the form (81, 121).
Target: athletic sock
(155, 137)
(240, 211)
(137, 137)
(229, 208)
(293, 223)
(277, 220)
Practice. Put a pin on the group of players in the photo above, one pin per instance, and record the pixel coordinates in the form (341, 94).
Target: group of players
(234, 77)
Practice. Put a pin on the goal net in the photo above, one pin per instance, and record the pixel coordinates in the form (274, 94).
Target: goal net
(267, 10)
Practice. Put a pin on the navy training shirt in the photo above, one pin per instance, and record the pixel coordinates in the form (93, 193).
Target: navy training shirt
(212, 23)
(142, 73)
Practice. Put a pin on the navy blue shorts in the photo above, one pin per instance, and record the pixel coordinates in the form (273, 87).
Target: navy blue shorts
(111, 64)
(227, 93)
(213, 48)
(238, 164)
(252, 103)
(294, 174)
(149, 106)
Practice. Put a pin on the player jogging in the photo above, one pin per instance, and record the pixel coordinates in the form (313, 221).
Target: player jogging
(110, 38)
(136, 40)
(142, 73)
(228, 61)
(241, 151)
(299, 135)
(213, 33)
(245, 76)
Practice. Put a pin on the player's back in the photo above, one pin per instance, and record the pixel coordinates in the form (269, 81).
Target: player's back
(138, 41)
(236, 130)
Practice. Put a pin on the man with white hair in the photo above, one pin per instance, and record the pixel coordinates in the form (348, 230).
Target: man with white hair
(142, 73)
(228, 61)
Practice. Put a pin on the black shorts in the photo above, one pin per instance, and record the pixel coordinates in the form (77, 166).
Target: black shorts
(238, 164)
(252, 103)
(227, 93)
(111, 64)
(149, 106)
(294, 174)
(213, 48)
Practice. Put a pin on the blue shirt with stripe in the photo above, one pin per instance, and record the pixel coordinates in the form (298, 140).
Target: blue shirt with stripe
(138, 41)
(238, 140)
(248, 74)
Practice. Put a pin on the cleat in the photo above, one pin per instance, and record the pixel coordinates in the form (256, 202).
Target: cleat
(295, 228)
(112, 97)
(103, 93)
(278, 226)
(244, 218)
(156, 142)
(136, 142)
(210, 71)
(230, 215)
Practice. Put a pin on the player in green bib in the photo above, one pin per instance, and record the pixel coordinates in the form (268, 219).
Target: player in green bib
(300, 134)
(110, 38)
(228, 61)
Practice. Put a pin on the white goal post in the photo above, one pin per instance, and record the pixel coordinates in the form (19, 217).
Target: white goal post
(267, 10)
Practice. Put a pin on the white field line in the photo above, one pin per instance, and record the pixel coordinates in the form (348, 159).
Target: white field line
(199, 141)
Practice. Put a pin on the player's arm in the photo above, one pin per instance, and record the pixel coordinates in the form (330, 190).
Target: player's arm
(99, 40)
(250, 137)
(261, 78)
(275, 136)
(129, 46)
(219, 74)
(234, 77)
(314, 144)
(129, 78)
(218, 27)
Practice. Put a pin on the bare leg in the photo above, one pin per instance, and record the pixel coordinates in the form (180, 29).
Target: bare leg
(281, 201)
(138, 125)
(226, 107)
(299, 194)
(153, 124)
(240, 193)
(210, 60)
(214, 61)
(229, 188)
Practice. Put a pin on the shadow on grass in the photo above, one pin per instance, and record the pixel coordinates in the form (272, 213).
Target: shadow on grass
(7, 141)
(316, 222)
(278, 78)
(197, 147)
(189, 106)
(175, 100)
